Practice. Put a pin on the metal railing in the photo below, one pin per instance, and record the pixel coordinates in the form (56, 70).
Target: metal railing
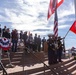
(45, 65)
(1, 64)
(3, 68)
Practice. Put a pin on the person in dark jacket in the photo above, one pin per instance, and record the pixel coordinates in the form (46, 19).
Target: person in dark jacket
(35, 43)
(60, 49)
(14, 40)
(51, 51)
(3, 31)
(21, 36)
(39, 43)
(25, 36)
(6, 33)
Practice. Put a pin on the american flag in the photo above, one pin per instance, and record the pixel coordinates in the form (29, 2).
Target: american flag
(53, 6)
(55, 24)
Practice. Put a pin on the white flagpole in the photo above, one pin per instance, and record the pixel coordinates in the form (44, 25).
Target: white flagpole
(75, 8)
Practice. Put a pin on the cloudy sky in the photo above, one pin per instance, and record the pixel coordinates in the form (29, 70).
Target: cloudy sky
(31, 15)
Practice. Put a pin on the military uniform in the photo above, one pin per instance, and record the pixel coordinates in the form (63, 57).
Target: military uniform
(59, 51)
(52, 58)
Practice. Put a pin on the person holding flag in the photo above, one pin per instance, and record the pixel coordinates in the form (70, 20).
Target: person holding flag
(54, 4)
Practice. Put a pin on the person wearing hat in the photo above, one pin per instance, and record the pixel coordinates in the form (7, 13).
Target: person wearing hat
(51, 50)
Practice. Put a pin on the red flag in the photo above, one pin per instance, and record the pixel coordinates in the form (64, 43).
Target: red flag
(52, 7)
(73, 27)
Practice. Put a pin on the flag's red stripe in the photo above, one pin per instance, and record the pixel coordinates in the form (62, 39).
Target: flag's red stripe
(60, 3)
(50, 10)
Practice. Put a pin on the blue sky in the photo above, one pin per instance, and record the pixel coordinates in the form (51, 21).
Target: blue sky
(31, 15)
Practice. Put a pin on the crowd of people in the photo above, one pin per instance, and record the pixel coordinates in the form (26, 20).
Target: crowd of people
(33, 43)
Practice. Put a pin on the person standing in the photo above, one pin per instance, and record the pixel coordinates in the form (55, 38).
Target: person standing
(55, 46)
(59, 50)
(50, 50)
(6, 43)
(35, 42)
(39, 43)
(6, 34)
(43, 42)
(14, 40)
(30, 40)
(21, 36)
(25, 36)
(3, 31)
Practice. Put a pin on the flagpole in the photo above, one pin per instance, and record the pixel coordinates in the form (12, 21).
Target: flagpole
(66, 34)
(75, 8)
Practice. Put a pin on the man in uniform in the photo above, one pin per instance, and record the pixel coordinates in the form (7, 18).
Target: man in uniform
(59, 50)
(51, 50)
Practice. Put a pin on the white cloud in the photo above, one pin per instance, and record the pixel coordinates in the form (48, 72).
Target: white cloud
(66, 10)
(29, 12)
(29, 15)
